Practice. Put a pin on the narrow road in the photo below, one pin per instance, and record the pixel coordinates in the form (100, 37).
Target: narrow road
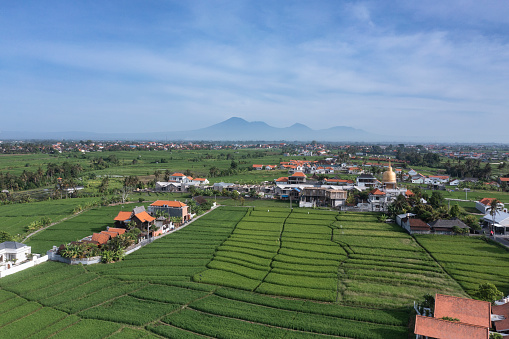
(500, 240)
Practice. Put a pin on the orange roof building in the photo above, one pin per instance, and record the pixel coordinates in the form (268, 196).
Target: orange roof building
(100, 238)
(474, 319)
(444, 329)
(503, 310)
(173, 208)
(486, 201)
(470, 311)
(376, 192)
(298, 174)
(123, 216)
(118, 230)
(110, 233)
(144, 217)
(168, 203)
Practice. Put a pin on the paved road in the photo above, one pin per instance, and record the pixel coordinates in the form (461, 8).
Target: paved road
(500, 240)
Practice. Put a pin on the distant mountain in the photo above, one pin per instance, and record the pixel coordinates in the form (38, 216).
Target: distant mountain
(233, 129)
(242, 130)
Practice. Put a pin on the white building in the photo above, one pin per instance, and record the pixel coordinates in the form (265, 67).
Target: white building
(14, 252)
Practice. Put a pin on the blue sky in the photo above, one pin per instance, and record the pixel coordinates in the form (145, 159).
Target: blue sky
(437, 70)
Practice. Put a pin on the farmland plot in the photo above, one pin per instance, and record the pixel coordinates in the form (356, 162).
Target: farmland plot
(470, 260)
(385, 266)
(300, 277)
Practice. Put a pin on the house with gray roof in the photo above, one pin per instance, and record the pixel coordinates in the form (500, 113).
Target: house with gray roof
(14, 251)
(444, 226)
(500, 222)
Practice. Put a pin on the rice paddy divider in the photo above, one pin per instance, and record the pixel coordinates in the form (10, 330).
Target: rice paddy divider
(277, 252)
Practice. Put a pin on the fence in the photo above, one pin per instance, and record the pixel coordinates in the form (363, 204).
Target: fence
(21, 267)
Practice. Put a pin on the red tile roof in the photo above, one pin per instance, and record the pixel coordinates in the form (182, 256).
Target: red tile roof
(444, 329)
(376, 192)
(169, 203)
(123, 216)
(118, 230)
(409, 193)
(100, 238)
(470, 311)
(178, 175)
(145, 217)
(110, 233)
(298, 174)
(418, 224)
(501, 325)
(199, 179)
(504, 179)
(282, 179)
(257, 166)
(486, 201)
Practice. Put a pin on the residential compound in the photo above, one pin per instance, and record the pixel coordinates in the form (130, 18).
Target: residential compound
(454, 317)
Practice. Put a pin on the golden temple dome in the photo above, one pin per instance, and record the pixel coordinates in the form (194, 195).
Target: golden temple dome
(389, 175)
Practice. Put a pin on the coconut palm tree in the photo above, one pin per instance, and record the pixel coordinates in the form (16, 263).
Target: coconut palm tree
(493, 213)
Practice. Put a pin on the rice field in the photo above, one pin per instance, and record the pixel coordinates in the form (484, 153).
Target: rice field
(246, 272)
(470, 260)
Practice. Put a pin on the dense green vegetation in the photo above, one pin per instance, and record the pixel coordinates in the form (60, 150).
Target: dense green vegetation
(256, 272)
(253, 268)
(470, 260)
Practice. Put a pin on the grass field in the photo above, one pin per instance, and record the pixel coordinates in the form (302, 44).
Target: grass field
(78, 227)
(14, 218)
(246, 272)
(470, 260)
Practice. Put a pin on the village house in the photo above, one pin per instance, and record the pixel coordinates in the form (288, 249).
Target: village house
(367, 181)
(418, 179)
(378, 200)
(500, 223)
(139, 215)
(12, 251)
(172, 208)
(415, 225)
(436, 179)
(322, 197)
(179, 177)
(444, 226)
(355, 170)
(164, 186)
(339, 182)
(297, 178)
(484, 205)
(500, 312)
(473, 319)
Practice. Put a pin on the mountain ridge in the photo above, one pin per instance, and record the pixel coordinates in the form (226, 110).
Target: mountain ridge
(232, 129)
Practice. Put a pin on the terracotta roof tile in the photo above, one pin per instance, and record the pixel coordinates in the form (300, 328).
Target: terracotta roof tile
(298, 174)
(486, 201)
(145, 217)
(438, 328)
(123, 216)
(376, 192)
(118, 230)
(470, 311)
(100, 238)
(169, 203)
(110, 233)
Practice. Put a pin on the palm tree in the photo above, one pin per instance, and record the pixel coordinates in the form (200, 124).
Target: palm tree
(493, 213)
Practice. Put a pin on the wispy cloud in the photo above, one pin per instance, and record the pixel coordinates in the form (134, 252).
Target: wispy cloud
(326, 63)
